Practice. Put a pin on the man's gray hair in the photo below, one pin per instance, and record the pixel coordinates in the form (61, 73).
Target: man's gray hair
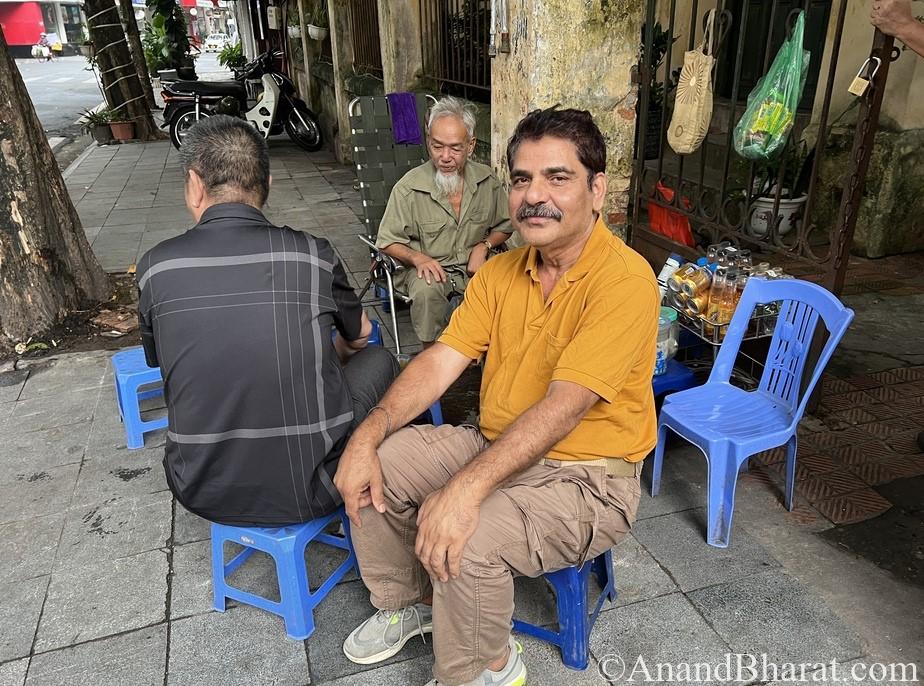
(231, 158)
(454, 107)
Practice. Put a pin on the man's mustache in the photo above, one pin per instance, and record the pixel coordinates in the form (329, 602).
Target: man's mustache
(542, 210)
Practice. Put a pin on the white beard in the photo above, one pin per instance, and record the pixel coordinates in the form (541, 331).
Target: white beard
(448, 185)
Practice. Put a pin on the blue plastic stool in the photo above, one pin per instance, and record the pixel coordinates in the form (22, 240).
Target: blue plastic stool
(678, 377)
(287, 547)
(131, 373)
(575, 621)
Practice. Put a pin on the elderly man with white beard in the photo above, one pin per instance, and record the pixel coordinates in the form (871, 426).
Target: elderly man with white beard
(443, 219)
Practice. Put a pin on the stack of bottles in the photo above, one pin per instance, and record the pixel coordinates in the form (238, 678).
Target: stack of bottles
(709, 289)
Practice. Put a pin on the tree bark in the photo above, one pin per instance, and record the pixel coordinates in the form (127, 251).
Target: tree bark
(46, 266)
(121, 84)
(130, 25)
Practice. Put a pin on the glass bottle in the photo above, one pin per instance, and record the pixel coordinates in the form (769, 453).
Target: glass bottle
(719, 281)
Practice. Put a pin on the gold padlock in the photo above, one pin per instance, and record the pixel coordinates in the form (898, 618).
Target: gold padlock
(860, 85)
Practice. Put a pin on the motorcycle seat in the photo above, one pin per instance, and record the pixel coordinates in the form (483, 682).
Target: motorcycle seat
(218, 88)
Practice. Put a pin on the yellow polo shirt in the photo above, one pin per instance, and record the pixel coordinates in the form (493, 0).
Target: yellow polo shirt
(598, 329)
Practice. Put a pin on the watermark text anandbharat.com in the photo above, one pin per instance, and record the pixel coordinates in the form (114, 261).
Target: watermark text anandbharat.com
(744, 668)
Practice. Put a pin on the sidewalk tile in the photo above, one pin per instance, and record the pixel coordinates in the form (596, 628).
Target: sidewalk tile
(14, 673)
(38, 493)
(58, 409)
(20, 607)
(191, 588)
(188, 527)
(106, 598)
(241, 647)
(638, 576)
(29, 547)
(26, 453)
(413, 672)
(677, 542)
(137, 658)
(118, 527)
(11, 384)
(775, 614)
(64, 374)
(109, 473)
(855, 506)
(661, 630)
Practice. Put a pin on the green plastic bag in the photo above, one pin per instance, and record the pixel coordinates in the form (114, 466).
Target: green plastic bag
(762, 131)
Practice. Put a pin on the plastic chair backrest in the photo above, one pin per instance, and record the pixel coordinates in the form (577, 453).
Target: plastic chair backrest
(380, 162)
(802, 305)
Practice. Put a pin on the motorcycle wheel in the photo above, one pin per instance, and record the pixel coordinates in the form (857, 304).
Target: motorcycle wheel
(182, 121)
(308, 138)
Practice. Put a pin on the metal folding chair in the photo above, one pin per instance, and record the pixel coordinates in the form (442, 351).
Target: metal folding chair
(380, 163)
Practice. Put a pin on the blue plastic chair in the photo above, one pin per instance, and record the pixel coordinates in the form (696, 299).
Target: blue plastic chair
(131, 372)
(730, 424)
(575, 618)
(287, 548)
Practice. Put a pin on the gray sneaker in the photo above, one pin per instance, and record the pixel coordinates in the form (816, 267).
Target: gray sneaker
(385, 633)
(512, 674)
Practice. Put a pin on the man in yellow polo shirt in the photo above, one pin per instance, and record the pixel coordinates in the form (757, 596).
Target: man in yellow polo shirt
(445, 516)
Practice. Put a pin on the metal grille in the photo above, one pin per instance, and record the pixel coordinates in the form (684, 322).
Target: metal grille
(367, 50)
(716, 191)
(454, 38)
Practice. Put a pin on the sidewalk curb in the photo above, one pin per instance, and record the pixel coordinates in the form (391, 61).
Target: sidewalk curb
(72, 167)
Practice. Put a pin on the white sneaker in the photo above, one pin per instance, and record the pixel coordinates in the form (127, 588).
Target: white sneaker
(512, 674)
(385, 633)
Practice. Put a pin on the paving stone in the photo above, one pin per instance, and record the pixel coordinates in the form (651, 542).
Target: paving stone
(20, 607)
(343, 610)
(191, 588)
(188, 527)
(773, 613)
(37, 493)
(638, 576)
(137, 658)
(413, 672)
(243, 646)
(36, 451)
(119, 527)
(105, 598)
(683, 479)
(11, 384)
(630, 640)
(14, 673)
(65, 374)
(109, 473)
(677, 542)
(71, 407)
(29, 547)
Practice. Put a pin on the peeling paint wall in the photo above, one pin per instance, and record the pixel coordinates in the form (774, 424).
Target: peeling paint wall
(577, 53)
(399, 31)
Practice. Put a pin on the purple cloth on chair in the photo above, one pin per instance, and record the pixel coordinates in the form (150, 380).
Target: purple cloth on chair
(404, 122)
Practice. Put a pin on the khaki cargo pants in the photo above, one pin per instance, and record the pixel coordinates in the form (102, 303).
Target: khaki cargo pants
(543, 519)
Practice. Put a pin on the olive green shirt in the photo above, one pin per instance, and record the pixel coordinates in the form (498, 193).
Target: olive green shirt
(419, 217)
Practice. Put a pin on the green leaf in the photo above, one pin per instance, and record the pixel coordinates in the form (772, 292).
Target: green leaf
(157, 21)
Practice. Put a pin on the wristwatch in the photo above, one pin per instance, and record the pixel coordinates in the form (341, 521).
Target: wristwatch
(488, 245)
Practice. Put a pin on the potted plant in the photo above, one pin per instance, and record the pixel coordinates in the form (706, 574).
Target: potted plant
(318, 23)
(791, 173)
(122, 129)
(96, 123)
(661, 43)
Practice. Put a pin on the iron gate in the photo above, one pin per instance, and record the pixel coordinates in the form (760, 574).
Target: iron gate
(722, 195)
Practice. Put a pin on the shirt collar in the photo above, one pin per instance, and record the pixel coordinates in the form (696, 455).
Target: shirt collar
(589, 255)
(231, 210)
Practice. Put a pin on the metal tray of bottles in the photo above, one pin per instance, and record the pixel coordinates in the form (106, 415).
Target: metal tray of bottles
(761, 325)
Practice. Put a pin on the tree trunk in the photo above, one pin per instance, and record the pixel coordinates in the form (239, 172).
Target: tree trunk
(130, 25)
(46, 266)
(121, 84)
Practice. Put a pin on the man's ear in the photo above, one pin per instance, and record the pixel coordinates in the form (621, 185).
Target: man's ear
(269, 181)
(195, 189)
(598, 188)
(471, 146)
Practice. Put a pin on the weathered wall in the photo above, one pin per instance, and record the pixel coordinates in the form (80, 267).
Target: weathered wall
(577, 54)
(891, 218)
(399, 30)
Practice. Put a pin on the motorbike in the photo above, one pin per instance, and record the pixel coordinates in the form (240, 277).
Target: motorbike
(258, 93)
